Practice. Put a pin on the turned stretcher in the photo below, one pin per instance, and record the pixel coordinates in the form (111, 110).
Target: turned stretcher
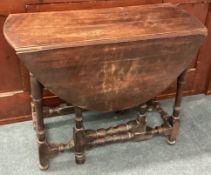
(106, 60)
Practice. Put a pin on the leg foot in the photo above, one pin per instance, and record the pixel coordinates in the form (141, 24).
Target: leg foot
(44, 152)
(79, 139)
(80, 158)
(43, 167)
(171, 142)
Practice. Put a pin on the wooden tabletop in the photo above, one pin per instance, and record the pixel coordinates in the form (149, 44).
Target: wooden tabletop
(29, 32)
(129, 54)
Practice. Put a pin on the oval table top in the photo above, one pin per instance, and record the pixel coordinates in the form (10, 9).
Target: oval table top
(60, 29)
(106, 59)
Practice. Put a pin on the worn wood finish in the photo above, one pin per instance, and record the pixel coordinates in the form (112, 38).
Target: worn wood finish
(194, 84)
(136, 130)
(15, 94)
(177, 106)
(85, 4)
(79, 137)
(37, 113)
(124, 66)
(89, 62)
(106, 94)
(91, 27)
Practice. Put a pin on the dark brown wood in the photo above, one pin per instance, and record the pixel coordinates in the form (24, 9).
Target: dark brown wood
(118, 74)
(175, 117)
(122, 128)
(97, 27)
(136, 130)
(90, 63)
(36, 90)
(85, 4)
(79, 137)
(97, 81)
(197, 76)
(37, 113)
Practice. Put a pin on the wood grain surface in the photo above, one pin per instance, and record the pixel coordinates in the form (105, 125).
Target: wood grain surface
(106, 59)
(50, 30)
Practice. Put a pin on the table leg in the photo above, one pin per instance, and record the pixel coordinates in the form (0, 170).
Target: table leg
(79, 137)
(177, 106)
(34, 122)
(36, 92)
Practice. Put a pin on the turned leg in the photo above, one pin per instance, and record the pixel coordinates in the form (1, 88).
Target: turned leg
(79, 137)
(175, 117)
(34, 122)
(37, 115)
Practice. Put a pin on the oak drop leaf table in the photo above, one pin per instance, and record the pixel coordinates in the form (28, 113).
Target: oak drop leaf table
(106, 60)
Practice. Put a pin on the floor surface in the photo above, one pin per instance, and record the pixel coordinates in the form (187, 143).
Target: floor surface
(191, 155)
